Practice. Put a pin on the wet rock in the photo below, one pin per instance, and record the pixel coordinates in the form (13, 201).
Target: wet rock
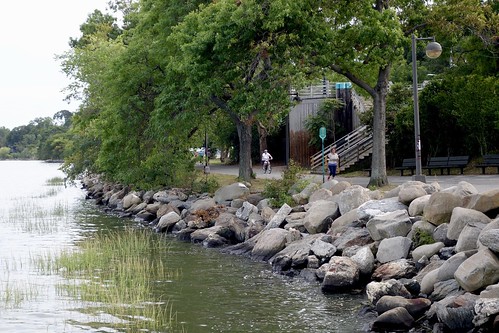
(394, 319)
(166, 222)
(416, 306)
(269, 243)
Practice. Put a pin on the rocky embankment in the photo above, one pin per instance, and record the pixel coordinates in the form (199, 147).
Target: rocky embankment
(427, 258)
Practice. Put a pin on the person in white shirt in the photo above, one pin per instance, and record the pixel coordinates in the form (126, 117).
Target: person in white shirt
(333, 163)
(266, 158)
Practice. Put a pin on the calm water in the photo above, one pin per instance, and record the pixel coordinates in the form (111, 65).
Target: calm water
(214, 293)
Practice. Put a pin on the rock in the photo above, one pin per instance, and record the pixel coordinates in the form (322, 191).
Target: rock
(440, 206)
(237, 203)
(485, 309)
(484, 202)
(364, 259)
(388, 225)
(231, 192)
(302, 197)
(478, 271)
(491, 291)
(166, 222)
(440, 235)
(490, 239)
(338, 187)
(461, 217)
(394, 319)
(416, 307)
(269, 243)
(397, 269)
(371, 208)
(417, 205)
(341, 223)
(428, 282)
(462, 189)
(446, 288)
(322, 249)
(320, 216)
(469, 236)
(352, 197)
(295, 255)
(392, 287)
(393, 248)
(427, 250)
(267, 213)
(246, 210)
(320, 194)
(214, 241)
(202, 204)
(342, 274)
(130, 200)
(455, 312)
(410, 192)
(279, 217)
(353, 237)
(449, 267)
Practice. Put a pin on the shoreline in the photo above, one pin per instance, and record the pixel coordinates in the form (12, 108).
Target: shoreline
(346, 238)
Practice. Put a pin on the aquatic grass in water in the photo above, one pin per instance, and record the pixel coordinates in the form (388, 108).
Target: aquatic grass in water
(12, 295)
(118, 271)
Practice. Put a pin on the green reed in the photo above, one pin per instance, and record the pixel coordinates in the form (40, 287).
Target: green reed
(119, 270)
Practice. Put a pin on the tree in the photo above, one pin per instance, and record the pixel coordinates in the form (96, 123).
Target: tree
(238, 57)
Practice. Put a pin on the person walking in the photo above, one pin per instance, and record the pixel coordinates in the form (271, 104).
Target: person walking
(333, 163)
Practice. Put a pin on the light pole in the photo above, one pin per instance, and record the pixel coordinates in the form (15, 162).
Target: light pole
(433, 50)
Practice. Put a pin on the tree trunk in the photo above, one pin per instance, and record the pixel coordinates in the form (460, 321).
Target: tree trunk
(244, 134)
(378, 164)
(262, 136)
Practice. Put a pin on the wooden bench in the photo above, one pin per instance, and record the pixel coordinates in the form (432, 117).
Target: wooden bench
(407, 164)
(490, 160)
(447, 163)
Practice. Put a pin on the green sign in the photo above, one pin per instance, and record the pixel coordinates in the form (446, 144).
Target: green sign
(322, 133)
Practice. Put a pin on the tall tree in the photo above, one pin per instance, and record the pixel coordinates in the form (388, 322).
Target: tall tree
(237, 56)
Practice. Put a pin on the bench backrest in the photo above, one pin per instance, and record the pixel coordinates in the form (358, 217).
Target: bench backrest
(408, 162)
(458, 160)
(438, 161)
(491, 159)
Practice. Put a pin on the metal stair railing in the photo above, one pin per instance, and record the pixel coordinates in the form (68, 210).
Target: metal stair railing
(351, 148)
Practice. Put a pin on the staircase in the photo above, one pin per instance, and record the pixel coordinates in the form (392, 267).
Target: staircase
(351, 148)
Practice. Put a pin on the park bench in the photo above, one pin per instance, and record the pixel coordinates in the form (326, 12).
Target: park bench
(447, 163)
(407, 164)
(490, 160)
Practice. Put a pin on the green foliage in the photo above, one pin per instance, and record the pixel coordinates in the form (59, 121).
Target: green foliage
(4, 153)
(325, 117)
(206, 184)
(422, 237)
(277, 190)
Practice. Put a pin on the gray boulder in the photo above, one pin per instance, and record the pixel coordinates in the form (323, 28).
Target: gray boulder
(166, 222)
(490, 239)
(231, 192)
(461, 217)
(440, 206)
(246, 210)
(388, 225)
(478, 271)
(371, 208)
(426, 250)
(341, 223)
(392, 287)
(352, 197)
(416, 306)
(320, 216)
(393, 248)
(364, 259)
(302, 197)
(269, 243)
(410, 192)
(342, 274)
(322, 249)
(469, 236)
(416, 208)
(484, 202)
(279, 217)
(320, 194)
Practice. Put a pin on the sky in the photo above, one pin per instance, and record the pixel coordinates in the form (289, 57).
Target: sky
(32, 32)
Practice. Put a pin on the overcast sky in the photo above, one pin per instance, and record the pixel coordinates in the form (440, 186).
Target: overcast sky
(32, 32)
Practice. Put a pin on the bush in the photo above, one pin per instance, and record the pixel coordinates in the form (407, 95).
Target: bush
(277, 190)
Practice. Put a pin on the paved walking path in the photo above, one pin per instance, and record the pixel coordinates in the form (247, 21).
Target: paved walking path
(481, 182)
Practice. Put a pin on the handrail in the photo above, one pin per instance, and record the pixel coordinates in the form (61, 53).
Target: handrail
(349, 148)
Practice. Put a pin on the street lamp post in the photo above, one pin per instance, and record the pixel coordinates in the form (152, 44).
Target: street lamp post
(433, 50)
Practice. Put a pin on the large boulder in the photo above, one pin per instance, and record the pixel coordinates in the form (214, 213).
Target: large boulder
(455, 312)
(320, 216)
(461, 217)
(478, 271)
(469, 236)
(440, 206)
(484, 202)
(342, 274)
(269, 243)
(166, 222)
(416, 307)
(231, 192)
(341, 223)
(410, 192)
(392, 287)
(353, 237)
(393, 319)
(295, 255)
(246, 210)
(279, 217)
(352, 197)
(426, 250)
(372, 208)
(398, 269)
(417, 205)
(490, 239)
(302, 197)
(388, 225)
(393, 248)
(364, 259)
